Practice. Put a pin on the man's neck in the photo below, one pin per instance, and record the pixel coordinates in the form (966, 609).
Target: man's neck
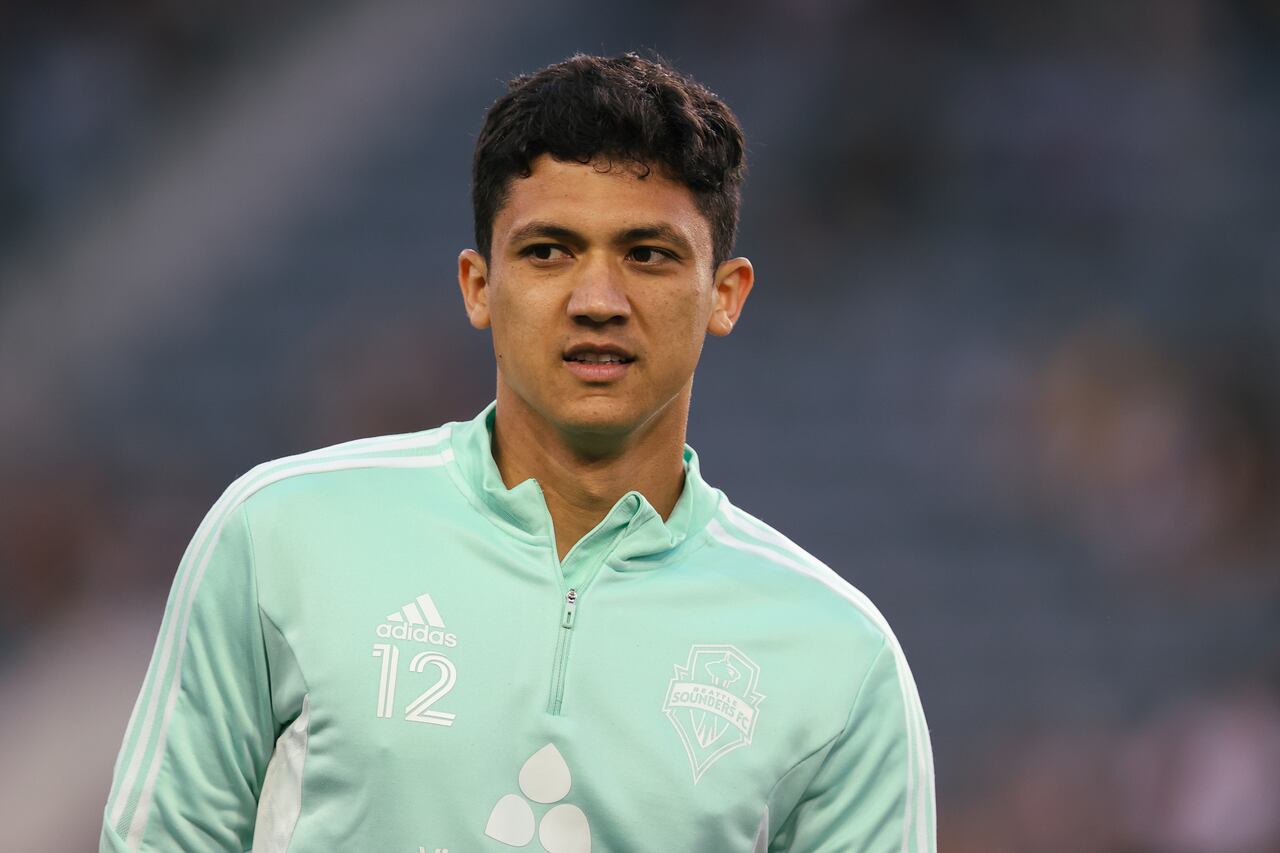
(583, 477)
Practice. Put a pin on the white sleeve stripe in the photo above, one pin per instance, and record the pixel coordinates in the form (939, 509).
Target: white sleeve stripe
(918, 768)
(803, 562)
(254, 480)
(756, 529)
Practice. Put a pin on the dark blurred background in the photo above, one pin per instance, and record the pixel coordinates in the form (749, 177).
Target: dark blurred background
(1011, 365)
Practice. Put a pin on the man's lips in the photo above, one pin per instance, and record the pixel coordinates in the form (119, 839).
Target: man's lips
(597, 352)
(598, 362)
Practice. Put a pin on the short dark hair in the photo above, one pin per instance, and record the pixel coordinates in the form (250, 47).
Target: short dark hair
(623, 108)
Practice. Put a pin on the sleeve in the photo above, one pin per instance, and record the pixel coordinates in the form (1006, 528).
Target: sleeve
(195, 753)
(872, 790)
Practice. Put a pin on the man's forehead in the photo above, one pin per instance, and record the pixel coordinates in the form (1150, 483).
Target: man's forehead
(602, 197)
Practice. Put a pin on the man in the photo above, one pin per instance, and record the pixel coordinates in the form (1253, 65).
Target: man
(539, 628)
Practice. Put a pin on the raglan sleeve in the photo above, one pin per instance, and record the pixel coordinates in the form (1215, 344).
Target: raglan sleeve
(873, 789)
(191, 767)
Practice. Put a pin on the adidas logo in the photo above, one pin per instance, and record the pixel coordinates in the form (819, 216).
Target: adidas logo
(544, 778)
(418, 620)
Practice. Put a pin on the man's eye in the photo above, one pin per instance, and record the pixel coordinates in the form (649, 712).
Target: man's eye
(648, 255)
(545, 252)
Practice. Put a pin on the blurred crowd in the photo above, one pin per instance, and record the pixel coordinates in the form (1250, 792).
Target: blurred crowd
(84, 82)
(1013, 354)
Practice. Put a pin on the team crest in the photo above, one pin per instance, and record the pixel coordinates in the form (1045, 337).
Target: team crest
(713, 703)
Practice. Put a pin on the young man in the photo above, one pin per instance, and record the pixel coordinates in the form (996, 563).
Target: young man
(539, 628)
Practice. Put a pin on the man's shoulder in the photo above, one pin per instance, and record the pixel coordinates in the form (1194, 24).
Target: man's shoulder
(795, 578)
(337, 468)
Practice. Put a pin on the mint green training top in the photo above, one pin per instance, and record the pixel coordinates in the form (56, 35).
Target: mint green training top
(374, 648)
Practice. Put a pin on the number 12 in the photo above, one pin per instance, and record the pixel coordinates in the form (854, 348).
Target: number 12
(418, 710)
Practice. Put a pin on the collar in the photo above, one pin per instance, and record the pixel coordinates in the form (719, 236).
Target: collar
(632, 534)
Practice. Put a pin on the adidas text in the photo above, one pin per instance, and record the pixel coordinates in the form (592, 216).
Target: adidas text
(420, 633)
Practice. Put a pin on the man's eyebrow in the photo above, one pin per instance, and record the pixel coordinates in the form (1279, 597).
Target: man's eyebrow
(548, 231)
(658, 231)
(539, 229)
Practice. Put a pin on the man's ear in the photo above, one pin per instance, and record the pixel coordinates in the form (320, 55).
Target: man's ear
(733, 282)
(473, 279)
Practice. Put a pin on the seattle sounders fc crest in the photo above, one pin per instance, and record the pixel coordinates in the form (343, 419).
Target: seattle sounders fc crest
(713, 703)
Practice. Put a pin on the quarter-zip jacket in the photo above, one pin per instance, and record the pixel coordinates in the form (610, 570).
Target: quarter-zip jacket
(374, 647)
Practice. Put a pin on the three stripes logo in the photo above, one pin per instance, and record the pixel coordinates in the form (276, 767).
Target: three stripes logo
(418, 620)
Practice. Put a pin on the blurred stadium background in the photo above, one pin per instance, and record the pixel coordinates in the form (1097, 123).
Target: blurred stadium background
(1011, 366)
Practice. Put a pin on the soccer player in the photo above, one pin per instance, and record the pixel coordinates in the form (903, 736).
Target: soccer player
(539, 628)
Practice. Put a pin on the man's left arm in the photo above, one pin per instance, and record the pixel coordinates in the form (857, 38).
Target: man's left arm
(873, 791)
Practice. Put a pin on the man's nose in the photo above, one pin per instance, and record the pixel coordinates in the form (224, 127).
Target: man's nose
(598, 294)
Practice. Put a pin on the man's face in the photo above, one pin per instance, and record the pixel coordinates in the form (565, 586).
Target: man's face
(599, 291)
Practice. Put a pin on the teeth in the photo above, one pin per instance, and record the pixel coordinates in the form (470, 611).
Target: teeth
(598, 358)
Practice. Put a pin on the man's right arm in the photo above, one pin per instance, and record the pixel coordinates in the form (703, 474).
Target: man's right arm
(873, 789)
(191, 766)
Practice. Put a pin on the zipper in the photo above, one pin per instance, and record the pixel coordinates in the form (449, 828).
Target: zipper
(570, 605)
(567, 612)
(568, 608)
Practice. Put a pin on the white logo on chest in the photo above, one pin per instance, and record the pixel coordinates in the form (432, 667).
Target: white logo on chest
(714, 704)
(418, 620)
(544, 778)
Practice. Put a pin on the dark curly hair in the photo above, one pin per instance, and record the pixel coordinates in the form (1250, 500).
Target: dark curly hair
(623, 108)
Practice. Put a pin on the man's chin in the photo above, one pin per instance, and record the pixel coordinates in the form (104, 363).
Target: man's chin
(604, 417)
(597, 421)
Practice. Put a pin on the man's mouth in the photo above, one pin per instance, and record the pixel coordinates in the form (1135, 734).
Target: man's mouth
(597, 363)
(599, 358)
(602, 353)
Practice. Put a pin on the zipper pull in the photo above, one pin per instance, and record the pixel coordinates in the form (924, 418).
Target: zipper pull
(570, 604)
